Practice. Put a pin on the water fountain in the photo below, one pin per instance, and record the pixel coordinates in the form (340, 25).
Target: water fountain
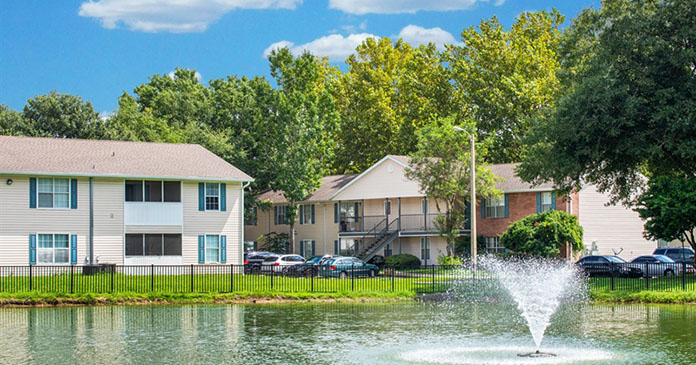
(538, 287)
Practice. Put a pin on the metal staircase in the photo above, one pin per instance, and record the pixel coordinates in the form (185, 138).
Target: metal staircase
(382, 237)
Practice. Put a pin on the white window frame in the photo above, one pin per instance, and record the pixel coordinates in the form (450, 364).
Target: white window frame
(546, 207)
(53, 248)
(493, 245)
(206, 196)
(496, 210)
(281, 218)
(425, 248)
(307, 214)
(53, 193)
(205, 249)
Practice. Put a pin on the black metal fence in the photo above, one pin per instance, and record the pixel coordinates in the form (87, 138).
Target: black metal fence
(240, 278)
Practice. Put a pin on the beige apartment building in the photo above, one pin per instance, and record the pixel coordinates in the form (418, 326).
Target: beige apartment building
(382, 212)
(132, 203)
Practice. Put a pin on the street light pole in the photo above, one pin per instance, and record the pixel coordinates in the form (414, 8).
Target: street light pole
(473, 196)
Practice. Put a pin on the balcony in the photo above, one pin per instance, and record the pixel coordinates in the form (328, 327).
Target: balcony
(153, 213)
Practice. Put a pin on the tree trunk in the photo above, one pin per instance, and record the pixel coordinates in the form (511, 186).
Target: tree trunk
(292, 237)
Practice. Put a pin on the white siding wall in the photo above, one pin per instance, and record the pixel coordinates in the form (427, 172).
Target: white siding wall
(108, 220)
(613, 226)
(386, 180)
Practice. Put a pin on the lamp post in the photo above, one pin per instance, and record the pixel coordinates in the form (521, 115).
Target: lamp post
(473, 195)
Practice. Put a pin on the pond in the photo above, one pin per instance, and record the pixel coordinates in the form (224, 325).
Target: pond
(446, 333)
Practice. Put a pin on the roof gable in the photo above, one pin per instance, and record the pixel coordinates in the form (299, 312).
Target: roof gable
(385, 179)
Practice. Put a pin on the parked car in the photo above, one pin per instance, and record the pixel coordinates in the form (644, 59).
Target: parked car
(678, 254)
(657, 265)
(606, 266)
(310, 267)
(254, 259)
(342, 267)
(281, 263)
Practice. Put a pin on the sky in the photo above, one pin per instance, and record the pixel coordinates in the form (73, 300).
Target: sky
(98, 49)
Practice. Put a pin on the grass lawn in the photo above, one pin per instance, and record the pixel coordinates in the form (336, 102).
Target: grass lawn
(661, 283)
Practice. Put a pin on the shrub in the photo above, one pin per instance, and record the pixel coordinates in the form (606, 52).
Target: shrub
(402, 261)
(448, 260)
(543, 234)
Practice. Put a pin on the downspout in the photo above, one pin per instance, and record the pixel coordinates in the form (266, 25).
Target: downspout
(241, 222)
(324, 205)
(91, 221)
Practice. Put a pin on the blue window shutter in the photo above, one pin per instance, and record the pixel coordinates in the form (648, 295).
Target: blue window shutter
(335, 247)
(313, 247)
(301, 214)
(507, 206)
(32, 195)
(73, 193)
(73, 249)
(32, 249)
(553, 201)
(223, 197)
(302, 248)
(201, 249)
(312, 213)
(223, 249)
(201, 196)
(335, 212)
(538, 203)
(275, 215)
(483, 208)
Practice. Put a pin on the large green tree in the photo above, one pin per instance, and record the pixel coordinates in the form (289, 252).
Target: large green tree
(504, 78)
(442, 167)
(544, 234)
(303, 129)
(669, 209)
(390, 91)
(630, 107)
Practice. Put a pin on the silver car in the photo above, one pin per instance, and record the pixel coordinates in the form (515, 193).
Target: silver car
(657, 265)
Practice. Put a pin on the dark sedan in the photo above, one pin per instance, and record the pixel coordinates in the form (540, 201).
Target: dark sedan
(608, 266)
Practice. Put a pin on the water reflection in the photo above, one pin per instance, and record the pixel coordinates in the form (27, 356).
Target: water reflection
(336, 333)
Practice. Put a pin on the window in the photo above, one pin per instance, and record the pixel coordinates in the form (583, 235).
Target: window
(387, 207)
(306, 212)
(495, 207)
(153, 191)
(212, 196)
(546, 202)
(493, 245)
(280, 214)
(425, 248)
(307, 248)
(54, 193)
(212, 248)
(251, 216)
(424, 206)
(53, 249)
(153, 244)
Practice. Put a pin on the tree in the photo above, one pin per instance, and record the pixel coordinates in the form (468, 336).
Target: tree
(630, 109)
(12, 122)
(274, 242)
(669, 209)
(390, 91)
(303, 130)
(543, 234)
(442, 168)
(504, 78)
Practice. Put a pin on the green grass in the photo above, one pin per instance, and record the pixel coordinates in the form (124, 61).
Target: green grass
(662, 283)
(645, 296)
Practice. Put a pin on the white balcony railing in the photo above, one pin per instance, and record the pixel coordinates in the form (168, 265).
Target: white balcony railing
(155, 213)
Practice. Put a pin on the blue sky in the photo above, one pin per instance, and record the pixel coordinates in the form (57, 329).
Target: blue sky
(98, 49)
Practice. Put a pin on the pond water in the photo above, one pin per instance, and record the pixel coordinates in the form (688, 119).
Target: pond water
(473, 333)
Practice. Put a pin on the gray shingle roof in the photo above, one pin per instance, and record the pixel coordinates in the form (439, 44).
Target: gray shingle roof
(329, 185)
(80, 157)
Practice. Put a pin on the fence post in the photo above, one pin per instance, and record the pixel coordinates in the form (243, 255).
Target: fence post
(152, 277)
(72, 280)
(433, 279)
(392, 277)
(113, 268)
(647, 276)
(231, 278)
(683, 275)
(272, 275)
(31, 274)
(311, 273)
(191, 278)
(352, 277)
(611, 274)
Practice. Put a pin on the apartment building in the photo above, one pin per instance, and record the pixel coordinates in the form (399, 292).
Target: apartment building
(382, 212)
(69, 201)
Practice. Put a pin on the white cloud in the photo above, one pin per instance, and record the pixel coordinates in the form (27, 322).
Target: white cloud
(401, 6)
(363, 25)
(334, 46)
(176, 16)
(416, 35)
(499, 2)
(105, 114)
(198, 76)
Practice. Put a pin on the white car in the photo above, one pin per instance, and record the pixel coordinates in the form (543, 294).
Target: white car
(281, 263)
